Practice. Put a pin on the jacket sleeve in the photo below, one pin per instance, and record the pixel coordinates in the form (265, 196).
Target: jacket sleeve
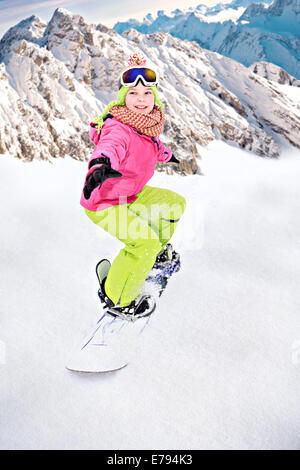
(164, 153)
(113, 143)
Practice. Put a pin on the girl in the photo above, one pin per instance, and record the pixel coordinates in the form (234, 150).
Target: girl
(115, 195)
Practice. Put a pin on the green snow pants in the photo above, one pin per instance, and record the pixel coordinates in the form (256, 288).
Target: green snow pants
(144, 226)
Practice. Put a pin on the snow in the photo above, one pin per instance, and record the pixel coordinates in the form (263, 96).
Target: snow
(222, 16)
(219, 365)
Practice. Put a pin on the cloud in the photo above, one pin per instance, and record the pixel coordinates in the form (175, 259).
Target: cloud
(20, 8)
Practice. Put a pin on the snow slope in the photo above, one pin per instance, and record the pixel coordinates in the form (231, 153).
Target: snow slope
(219, 366)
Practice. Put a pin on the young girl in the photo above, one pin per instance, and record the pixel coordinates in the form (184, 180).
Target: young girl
(115, 195)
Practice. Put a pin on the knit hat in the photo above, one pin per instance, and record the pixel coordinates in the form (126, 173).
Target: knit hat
(135, 60)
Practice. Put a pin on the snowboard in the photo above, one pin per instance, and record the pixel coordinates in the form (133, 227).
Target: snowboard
(111, 344)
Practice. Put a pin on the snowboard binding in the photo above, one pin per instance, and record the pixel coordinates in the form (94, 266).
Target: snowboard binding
(142, 306)
(167, 258)
(167, 263)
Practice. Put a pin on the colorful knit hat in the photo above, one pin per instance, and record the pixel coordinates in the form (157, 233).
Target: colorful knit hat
(135, 60)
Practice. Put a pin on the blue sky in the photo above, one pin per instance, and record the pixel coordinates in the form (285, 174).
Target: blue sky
(107, 12)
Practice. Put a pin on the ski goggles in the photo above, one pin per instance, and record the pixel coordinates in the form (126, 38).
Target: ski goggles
(130, 77)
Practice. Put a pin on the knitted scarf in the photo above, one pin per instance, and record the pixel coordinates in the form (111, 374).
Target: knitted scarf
(149, 124)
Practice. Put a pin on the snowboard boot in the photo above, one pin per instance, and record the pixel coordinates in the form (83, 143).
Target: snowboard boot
(142, 306)
(168, 257)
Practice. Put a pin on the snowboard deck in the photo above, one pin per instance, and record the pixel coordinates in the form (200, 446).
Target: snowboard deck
(111, 344)
(83, 372)
(108, 347)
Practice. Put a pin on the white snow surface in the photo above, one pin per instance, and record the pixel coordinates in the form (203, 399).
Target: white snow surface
(218, 366)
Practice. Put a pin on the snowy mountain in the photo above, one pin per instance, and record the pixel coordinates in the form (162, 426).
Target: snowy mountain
(56, 77)
(260, 32)
(166, 21)
(274, 73)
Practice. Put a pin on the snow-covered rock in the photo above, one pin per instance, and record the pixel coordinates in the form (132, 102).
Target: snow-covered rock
(56, 77)
(31, 29)
(274, 73)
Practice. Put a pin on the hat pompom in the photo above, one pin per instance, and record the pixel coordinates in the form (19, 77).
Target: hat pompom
(136, 59)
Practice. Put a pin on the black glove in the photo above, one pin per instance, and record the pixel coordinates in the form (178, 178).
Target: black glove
(100, 174)
(173, 159)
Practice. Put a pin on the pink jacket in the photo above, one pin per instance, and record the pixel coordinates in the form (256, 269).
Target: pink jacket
(132, 154)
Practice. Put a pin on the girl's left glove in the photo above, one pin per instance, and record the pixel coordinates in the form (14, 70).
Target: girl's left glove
(173, 159)
(101, 172)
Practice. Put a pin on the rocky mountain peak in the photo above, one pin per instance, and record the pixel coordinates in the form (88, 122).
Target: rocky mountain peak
(133, 35)
(31, 29)
(61, 24)
(253, 10)
(278, 6)
(274, 73)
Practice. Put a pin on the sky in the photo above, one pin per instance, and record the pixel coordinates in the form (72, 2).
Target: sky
(93, 11)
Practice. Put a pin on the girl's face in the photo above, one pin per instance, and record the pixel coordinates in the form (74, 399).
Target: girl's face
(140, 99)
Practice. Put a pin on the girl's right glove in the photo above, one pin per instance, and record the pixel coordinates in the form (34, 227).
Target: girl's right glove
(101, 172)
